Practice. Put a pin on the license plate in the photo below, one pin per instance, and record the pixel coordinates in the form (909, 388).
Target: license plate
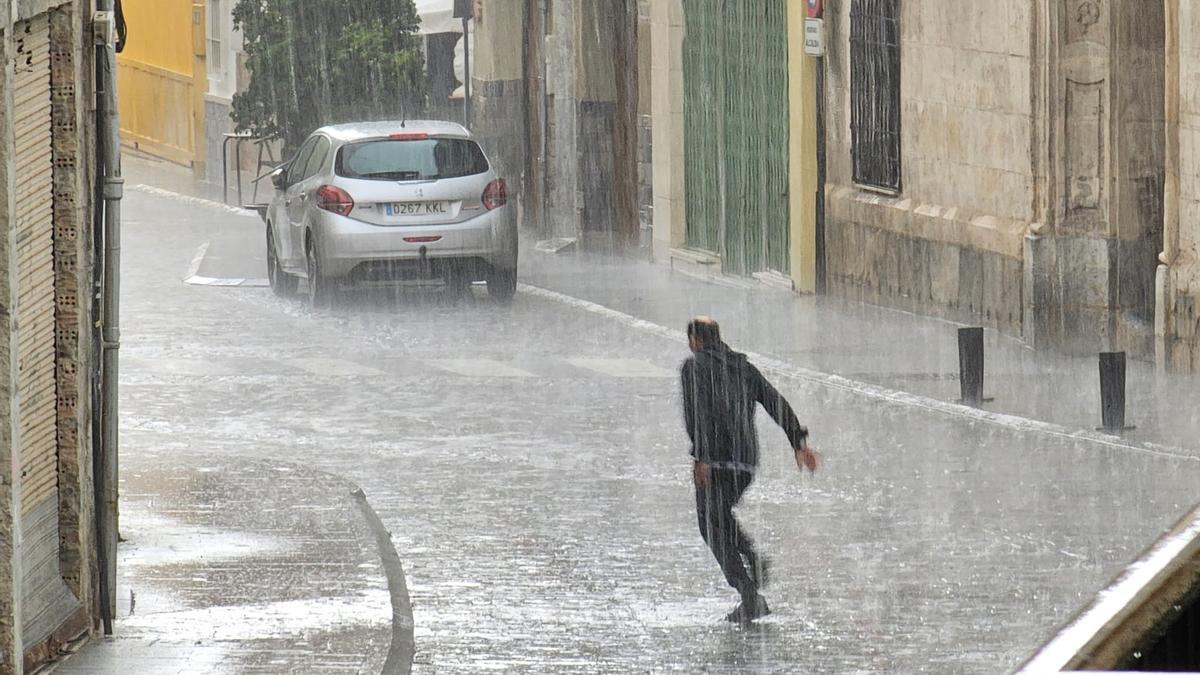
(418, 209)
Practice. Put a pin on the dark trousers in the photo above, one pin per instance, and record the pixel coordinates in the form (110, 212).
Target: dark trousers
(714, 509)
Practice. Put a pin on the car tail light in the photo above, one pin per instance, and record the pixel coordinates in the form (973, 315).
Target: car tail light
(335, 200)
(495, 195)
(417, 136)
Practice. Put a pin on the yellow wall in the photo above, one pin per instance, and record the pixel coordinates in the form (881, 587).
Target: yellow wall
(161, 79)
(802, 172)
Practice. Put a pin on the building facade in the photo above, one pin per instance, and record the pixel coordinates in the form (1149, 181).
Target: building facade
(1001, 164)
(164, 80)
(48, 583)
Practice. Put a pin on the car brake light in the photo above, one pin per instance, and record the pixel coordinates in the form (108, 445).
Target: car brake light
(495, 195)
(335, 200)
(409, 137)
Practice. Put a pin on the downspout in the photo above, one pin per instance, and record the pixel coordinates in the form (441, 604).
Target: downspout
(110, 183)
(1163, 324)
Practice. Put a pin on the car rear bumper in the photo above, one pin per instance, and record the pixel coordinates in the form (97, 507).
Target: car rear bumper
(348, 246)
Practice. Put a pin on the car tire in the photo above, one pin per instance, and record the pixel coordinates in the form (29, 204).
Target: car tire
(502, 284)
(283, 284)
(320, 288)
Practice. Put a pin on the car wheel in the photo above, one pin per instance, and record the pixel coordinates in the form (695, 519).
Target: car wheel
(282, 283)
(320, 288)
(502, 284)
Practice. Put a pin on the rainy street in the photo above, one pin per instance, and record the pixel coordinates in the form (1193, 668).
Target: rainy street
(530, 463)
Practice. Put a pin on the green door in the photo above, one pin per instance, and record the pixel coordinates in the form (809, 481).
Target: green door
(703, 123)
(736, 132)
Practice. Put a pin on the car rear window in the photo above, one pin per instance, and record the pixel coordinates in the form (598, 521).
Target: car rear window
(416, 159)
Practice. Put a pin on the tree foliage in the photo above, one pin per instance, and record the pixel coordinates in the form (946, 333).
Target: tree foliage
(318, 62)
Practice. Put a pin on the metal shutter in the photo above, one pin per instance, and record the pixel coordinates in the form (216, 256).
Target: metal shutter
(46, 602)
(35, 264)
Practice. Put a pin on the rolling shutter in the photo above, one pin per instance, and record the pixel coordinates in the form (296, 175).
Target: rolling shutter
(46, 602)
(35, 264)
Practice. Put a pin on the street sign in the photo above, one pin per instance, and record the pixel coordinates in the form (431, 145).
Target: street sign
(462, 9)
(815, 8)
(814, 37)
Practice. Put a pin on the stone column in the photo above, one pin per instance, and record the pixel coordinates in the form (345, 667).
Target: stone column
(1090, 266)
(595, 119)
(562, 165)
(1163, 324)
(666, 110)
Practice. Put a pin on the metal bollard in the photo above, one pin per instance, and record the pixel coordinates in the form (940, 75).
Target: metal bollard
(970, 365)
(1112, 391)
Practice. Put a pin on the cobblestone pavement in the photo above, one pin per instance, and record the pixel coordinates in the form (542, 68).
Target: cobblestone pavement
(530, 463)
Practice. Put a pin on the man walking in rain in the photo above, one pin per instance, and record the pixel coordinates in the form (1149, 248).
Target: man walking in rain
(720, 392)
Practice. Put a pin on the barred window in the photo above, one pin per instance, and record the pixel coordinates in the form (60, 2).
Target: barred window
(875, 92)
(216, 63)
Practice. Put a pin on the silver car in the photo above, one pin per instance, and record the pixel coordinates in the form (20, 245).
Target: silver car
(387, 202)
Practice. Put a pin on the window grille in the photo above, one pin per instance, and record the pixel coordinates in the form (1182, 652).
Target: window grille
(875, 92)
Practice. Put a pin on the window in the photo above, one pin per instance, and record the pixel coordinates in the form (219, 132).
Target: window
(299, 163)
(317, 160)
(875, 92)
(216, 66)
(425, 159)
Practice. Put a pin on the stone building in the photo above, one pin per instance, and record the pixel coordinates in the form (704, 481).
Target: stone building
(558, 104)
(997, 163)
(48, 559)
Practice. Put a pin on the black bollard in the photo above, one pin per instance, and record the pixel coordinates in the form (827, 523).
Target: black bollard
(1112, 391)
(970, 365)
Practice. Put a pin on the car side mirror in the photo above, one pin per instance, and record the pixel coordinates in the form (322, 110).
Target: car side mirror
(278, 178)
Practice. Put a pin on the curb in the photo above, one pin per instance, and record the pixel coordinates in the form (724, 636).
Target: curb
(403, 648)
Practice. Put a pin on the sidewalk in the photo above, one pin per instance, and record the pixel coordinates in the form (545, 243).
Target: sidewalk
(230, 566)
(879, 346)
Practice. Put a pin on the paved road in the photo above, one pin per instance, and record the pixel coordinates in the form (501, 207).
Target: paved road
(529, 461)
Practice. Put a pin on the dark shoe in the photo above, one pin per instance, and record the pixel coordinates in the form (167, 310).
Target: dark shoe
(748, 610)
(760, 571)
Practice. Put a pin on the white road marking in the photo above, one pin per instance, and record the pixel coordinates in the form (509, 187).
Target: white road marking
(333, 367)
(480, 368)
(865, 389)
(622, 367)
(193, 276)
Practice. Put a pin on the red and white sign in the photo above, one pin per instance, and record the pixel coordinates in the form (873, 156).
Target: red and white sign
(815, 8)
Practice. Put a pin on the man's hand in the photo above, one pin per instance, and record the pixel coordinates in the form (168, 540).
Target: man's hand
(808, 458)
(700, 474)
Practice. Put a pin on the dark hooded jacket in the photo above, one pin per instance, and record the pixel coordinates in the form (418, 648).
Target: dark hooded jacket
(720, 392)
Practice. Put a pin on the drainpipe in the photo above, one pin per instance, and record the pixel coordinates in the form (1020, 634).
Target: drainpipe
(1163, 325)
(108, 172)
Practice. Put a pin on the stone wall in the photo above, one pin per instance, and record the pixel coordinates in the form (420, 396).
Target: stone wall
(951, 242)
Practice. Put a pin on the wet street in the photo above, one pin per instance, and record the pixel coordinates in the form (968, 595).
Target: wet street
(530, 462)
